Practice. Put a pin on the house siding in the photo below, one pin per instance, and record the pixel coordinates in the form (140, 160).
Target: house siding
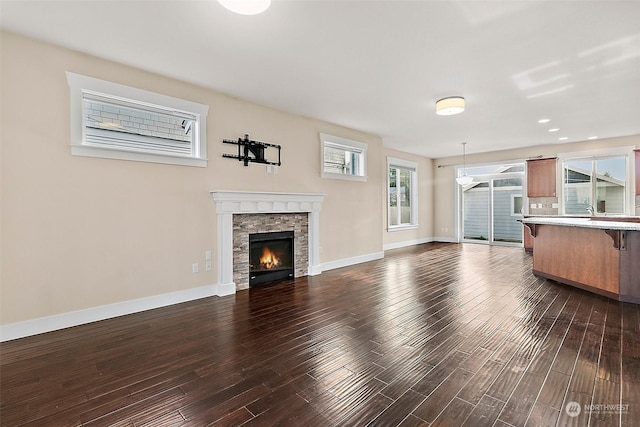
(476, 217)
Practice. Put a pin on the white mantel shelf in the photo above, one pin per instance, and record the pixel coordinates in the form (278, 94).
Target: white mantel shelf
(238, 202)
(229, 203)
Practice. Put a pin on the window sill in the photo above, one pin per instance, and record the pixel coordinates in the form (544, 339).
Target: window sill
(402, 227)
(330, 175)
(104, 153)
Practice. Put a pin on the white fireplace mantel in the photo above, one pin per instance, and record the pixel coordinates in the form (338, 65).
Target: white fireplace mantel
(229, 203)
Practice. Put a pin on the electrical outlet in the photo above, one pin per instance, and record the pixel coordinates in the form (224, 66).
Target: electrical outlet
(194, 267)
(207, 255)
(208, 265)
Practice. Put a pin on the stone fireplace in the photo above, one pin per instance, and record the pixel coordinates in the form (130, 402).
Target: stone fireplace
(260, 226)
(241, 214)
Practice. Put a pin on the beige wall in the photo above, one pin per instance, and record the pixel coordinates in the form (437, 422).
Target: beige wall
(424, 231)
(81, 232)
(444, 179)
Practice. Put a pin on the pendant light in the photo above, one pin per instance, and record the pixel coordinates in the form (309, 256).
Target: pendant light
(464, 179)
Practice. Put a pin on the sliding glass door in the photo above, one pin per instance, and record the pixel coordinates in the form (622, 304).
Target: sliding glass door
(492, 206)
(506, 210)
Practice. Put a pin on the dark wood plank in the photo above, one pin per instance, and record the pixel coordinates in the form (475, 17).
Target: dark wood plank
(398, 410)
(630, 366)
(454, 414)
(442, 396)
(440, 334)
(485, 413)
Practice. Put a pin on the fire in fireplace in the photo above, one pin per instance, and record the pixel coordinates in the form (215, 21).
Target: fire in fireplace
(270, 257)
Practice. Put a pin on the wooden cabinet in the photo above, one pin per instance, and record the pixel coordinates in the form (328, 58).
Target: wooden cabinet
(637, 152)
(599, 258)
(541, 178)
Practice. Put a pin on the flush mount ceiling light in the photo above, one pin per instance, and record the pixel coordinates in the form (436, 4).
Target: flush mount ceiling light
(450, 106)
(464, 179)
(246, 7)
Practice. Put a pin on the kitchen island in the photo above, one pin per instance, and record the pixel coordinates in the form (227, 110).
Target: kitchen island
(598, 254)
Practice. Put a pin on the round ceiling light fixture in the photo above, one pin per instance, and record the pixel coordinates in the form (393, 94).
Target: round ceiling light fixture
(246, 7)
(450, 106)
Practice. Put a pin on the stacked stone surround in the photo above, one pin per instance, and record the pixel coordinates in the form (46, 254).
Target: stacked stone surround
(245, 224)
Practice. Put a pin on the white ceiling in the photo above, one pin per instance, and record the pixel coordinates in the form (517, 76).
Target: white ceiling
(379, 66)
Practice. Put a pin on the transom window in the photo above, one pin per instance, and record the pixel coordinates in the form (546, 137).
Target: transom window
(343, 158)
(402, 194)
(119, 122)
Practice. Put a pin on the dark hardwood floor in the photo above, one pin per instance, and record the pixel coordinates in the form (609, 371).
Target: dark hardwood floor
(437, 334)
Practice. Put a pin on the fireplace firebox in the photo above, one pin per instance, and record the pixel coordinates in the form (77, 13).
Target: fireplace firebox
(270, 257)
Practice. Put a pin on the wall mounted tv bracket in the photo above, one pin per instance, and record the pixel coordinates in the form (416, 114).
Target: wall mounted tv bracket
(251, 151)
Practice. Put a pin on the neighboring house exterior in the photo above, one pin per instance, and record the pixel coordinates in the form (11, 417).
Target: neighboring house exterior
(507, 205)
(578, 193)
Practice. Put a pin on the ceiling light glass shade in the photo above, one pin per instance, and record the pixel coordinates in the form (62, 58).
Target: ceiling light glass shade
(450, 106)
(464, 180)
(246, 7)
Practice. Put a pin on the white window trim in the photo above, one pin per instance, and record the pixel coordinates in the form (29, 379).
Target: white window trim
(513, 204)
(79, 83)
(627, 152)
(332, 140)
(413, 166)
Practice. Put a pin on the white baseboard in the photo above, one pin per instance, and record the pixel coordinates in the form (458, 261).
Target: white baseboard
(445, 239)
(41, 325)
(314, 270)
(225, 289)
(345, 262)
(407, 243)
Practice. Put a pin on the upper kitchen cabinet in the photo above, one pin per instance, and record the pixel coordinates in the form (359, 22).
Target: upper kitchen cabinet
(541, 178)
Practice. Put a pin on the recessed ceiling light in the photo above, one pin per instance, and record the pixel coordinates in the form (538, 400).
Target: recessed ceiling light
(564, 138)
(246, 7)
(554, 130)
(544, 120)
(593, 137)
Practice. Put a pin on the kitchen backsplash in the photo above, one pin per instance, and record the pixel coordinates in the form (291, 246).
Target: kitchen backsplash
(543, 206)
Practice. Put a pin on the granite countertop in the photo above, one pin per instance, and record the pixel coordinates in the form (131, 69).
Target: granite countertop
(586, 222)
